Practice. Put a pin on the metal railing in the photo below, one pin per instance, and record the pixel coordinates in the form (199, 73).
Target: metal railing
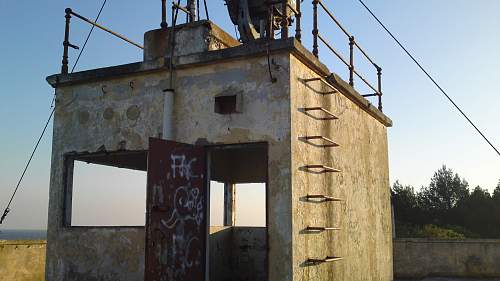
(317, 37)
(352, 46)
(286, 22)
(67, 44)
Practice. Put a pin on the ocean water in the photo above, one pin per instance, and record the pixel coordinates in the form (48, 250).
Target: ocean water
(15, 234)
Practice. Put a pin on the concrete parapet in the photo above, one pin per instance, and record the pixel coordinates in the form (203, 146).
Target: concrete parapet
(419, 258)
(22, 260)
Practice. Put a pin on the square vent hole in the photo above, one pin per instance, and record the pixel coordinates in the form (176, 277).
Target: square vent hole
(227, 104)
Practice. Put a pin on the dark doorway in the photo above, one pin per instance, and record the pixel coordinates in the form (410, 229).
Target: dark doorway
(238, 203)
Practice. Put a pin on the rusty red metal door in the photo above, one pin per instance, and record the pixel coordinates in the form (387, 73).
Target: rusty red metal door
(176, 222)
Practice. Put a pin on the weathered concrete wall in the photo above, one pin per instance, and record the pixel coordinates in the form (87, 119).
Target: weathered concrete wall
(22, 260)
(419, 258)
(110, 116)
(111, 113)
(120, 108)
(249, 254)
(365, 241)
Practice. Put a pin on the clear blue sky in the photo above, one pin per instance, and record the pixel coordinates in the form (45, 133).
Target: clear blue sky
(457, 40)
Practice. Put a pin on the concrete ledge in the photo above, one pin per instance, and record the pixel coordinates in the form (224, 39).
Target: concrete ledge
(476, 259)
(442, 241)
(22, 242)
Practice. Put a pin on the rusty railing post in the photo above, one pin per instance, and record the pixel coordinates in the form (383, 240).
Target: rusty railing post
(379, 75)
(351, 60)
(315, 28)
(192, 10)
(284, 19)
(164, 23)
(270, 23)
(64, 68)
(298, 16)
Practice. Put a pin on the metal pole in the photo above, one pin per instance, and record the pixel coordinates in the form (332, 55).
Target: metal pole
(284, 19)
(192, 10)
(315, 28)
(270, 23)
(229, 204)
(64, 68)
(351, 60)
(164, 23)
(298, 16)
(379, 75)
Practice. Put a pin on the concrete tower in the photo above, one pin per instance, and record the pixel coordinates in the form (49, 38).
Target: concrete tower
(265, 111)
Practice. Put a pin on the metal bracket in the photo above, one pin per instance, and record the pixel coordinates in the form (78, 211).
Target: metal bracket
(321, 168)
(333, 89)
(324, 198)
(326, 141)
(321, 229)
(7, 210)
(329, 115)
(326, 259)
(72, 46)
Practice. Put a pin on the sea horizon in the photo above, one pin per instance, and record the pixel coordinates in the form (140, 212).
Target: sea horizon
(23, 234)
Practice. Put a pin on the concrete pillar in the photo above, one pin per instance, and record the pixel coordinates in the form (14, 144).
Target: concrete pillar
(229, 204)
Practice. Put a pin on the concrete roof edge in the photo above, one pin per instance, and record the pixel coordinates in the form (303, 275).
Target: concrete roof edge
(259, 47)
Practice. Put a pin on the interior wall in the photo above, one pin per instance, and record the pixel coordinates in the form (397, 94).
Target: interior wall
(238, 254)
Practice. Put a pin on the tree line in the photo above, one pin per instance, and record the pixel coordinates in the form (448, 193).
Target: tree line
(446, 208)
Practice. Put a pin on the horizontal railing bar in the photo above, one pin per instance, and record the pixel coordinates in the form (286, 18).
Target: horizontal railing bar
(366, 82)
(333, 18)
(365, 54)
(106, 29)
(333, 50)
(324, 197)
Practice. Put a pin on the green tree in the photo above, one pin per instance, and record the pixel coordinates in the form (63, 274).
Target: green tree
(444, 192)
(404, 201)
(496, 211)
(476, 213)
(446, 209)
(496, 192)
